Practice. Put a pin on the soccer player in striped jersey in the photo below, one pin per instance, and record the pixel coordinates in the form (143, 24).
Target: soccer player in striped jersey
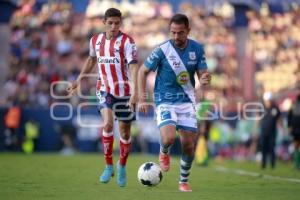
(176, 61)
(116, 56)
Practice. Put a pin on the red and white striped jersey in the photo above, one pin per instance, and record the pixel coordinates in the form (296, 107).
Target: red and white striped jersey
(113, 57)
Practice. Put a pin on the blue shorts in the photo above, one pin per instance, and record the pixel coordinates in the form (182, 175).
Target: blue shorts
(118, 105)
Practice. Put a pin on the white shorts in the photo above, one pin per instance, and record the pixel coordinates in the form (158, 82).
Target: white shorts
(183, 116)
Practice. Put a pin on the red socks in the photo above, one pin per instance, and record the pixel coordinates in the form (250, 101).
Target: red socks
(125, 147)
(107, 142)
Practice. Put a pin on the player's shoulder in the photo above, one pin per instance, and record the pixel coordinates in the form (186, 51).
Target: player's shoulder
(195, 44)
(130, 39)
(162, 45)
(158, 49)
(95, 36)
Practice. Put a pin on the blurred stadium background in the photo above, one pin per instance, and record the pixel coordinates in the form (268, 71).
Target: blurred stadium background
(252, 47)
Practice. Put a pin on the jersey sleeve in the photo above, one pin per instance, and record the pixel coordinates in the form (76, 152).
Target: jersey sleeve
(131, 51)
(92, 51)
(201, 62)
(154, 59)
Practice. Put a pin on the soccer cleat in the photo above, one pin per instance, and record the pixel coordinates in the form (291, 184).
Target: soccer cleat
(107, 174)
(164, 161)
(184, 187)
(121, 179)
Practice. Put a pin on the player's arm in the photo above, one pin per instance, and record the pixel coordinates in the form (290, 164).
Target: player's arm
(204, 76)
(133, 69)
(142, 77)
(87, 68)
(131, 57)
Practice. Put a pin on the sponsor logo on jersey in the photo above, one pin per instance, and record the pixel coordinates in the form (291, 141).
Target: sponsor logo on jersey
(183, 78)
(192, 62)
(172, 57)
(108, 60)
(176, 64)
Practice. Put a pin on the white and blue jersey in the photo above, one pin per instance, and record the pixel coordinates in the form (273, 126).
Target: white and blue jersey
(174, 91)
(176, 68)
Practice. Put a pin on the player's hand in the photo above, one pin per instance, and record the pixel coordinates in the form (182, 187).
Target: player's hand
(73, 88)
(143, 107)
(205, 79)
(133, 101)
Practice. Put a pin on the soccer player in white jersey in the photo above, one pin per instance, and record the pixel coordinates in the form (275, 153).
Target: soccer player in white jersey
(176, 61)
(116, 56)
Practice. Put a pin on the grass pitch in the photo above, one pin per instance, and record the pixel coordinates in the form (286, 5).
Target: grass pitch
(52, 176)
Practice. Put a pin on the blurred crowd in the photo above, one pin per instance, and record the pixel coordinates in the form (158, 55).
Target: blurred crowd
(276, 48)
(50, 42)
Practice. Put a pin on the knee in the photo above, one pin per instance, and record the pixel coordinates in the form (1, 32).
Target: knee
(108, 127)
(168, 141)
(171, 140)
(125, 134)
(188, 148)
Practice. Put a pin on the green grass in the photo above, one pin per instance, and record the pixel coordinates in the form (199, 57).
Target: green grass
(52, 176)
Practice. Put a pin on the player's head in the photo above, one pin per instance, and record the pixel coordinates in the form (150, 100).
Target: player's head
(112, 21)
(268, 99)
(179, 29)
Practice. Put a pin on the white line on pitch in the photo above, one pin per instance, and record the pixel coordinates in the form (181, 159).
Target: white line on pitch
(255, 174)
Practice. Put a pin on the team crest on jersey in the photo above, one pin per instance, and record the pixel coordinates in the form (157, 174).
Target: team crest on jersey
(183, 78)
(192, 55)
(117, 44)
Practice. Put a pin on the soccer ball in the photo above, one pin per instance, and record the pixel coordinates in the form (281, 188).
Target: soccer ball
(149, 174)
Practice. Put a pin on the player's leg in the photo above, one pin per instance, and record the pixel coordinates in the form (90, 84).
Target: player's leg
(187, 128)
(105, 107)
(125, 147)
(107, 143)
(166, 120)
(167, 138)
(125, 117)
(125, 141)
(188, 141)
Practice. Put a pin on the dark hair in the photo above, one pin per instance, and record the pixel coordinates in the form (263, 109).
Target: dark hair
(112, 12)
(180, 19)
